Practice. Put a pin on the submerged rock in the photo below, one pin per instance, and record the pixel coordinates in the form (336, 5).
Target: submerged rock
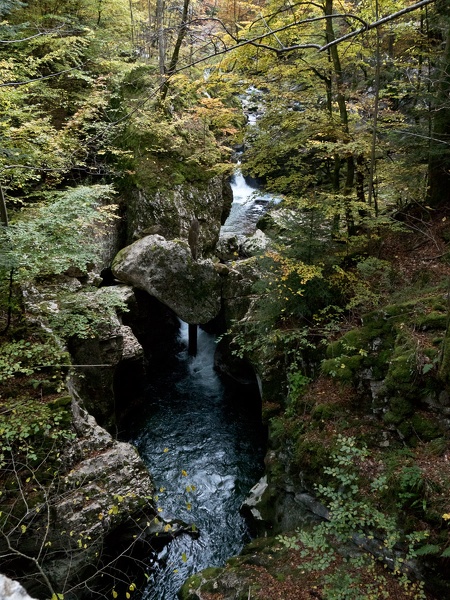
(166, 270)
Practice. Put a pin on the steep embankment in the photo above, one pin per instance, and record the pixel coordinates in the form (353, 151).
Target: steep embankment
(77, 508)
(358, 419)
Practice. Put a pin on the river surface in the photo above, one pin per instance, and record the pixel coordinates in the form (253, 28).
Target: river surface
(203, 442)
(204, 445)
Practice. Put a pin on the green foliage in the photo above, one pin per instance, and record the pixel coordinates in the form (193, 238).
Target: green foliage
(59, 234)
(297, 383)
(353, 519)
(85, 313)
(27, 358)
(31, 428)
(411, 485)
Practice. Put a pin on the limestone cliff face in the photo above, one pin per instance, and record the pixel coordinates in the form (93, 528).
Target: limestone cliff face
(12, 590)
(95, 511)
(170, 212)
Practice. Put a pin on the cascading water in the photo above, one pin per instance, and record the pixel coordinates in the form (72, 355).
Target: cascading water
(248, 206)
(203, 444)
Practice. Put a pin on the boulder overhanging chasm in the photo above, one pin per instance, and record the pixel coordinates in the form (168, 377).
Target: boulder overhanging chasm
(166, 270)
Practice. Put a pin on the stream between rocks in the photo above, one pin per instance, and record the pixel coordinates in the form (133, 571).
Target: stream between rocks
(203, 443)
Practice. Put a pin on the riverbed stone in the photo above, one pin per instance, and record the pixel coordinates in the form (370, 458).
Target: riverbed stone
(166, 270)
(227, 247)
(255, 244)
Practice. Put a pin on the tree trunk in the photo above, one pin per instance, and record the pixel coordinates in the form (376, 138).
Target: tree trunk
(160, 36)
(176, 51)
(340, 99)
(3, 209)
(372, 197)
(439, 160)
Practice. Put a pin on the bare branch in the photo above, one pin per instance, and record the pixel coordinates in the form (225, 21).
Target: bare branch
(321, 48)
(32, 37)
(378, 23)
(18, 83)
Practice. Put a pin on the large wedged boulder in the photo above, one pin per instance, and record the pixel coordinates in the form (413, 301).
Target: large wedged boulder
(166, 270)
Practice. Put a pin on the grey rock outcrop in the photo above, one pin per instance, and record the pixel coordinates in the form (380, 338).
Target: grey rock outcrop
(166, 270)
(237, 289)
(255, 244)
(97, 508)
(170, 212)
(98, 358)
(232, 246)
(12, 590)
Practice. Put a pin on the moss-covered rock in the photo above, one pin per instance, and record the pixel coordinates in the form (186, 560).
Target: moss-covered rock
(433, 320)
(399, 409)
(420, 428)
(166, 270)
(170, 212)
(343, 368)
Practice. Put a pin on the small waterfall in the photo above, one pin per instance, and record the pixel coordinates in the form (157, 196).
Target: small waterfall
(249, 204)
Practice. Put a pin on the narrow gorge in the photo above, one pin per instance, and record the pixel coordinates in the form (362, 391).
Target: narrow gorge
(224, 300)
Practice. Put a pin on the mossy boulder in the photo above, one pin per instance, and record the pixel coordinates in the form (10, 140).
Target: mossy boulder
(170, 212)
(344, 368)
(261, 562)
(434, 320)
(166, 270)
(420, 428)
(399, 409)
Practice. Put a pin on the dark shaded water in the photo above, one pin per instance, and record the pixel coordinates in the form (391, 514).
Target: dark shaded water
(204, 445)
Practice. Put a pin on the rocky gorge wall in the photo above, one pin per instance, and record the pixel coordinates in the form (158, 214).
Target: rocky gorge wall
(99, 509)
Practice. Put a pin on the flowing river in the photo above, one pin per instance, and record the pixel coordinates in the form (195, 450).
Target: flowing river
(248, 205)
(203, 443)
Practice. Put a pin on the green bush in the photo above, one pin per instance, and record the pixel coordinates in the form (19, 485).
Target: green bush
(31, 428)
(352, 515)
(29, 357)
